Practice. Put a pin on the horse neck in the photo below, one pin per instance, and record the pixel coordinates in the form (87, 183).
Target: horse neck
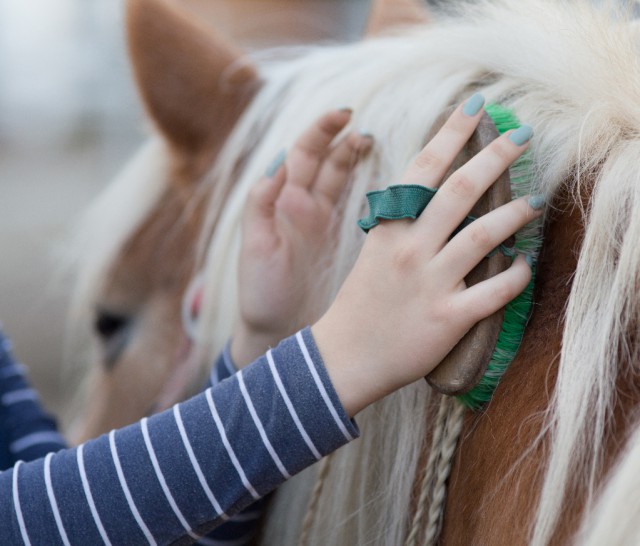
(497, 471)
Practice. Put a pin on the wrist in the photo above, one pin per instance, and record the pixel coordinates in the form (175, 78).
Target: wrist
(356, 372)
(248, 344)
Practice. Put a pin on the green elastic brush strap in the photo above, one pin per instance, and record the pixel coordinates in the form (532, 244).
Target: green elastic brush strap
(517, 312)
(396, 202)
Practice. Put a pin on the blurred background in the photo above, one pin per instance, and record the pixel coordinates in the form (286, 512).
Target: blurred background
(70, 118)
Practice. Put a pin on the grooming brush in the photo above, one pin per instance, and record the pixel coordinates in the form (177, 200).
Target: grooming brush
(474, 367)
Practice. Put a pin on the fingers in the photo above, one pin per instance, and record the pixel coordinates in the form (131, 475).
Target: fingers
(263, 196)
(337, 168)
(436, 158)
(461, 191)
(472, 244)
(317, 164)
(310, 150)
(487, 297)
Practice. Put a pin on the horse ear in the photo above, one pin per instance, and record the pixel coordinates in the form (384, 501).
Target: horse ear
(194, 83)
(389, 14)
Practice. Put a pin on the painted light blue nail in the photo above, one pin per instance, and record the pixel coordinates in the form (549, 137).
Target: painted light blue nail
(522, 135)
(537, 202)
(366, 134)
(529, 260)
(276, 164)
(346, 109)
(473, 105)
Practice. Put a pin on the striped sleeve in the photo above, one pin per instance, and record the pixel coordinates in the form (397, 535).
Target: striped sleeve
(241, 528)
(27, 432)
(175, 476)
(223, 367)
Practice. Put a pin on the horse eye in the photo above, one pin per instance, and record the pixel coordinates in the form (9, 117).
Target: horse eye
(108, 324)
(114, 330)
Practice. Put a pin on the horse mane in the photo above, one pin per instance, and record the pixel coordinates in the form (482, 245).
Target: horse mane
(614, 520)
(98, 236)
(569, 69)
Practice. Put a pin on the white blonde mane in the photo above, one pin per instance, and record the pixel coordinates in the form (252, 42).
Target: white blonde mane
(614, 519)
(573, 73)
(569, 70)
(116, 213)
(99, 234)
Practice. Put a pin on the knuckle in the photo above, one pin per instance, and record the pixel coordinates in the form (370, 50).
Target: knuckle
(479, 235)
(344, 160)
(445, 311)
(363, 142)
(519, 212)
(255, 194)
(355, 141)
(310, 151)
(461, 185)
(405, 257)
(503, 292)
(327, 129)
(359, 146)
(429, 160)
(295, 206)
(341, 165)
(502, 151)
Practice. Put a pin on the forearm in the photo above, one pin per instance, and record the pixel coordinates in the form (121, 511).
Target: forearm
(241, 528)
(188, 468)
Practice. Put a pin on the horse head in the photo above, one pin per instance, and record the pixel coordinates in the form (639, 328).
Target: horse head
(140, 239)
(194, 86)
(560, 418)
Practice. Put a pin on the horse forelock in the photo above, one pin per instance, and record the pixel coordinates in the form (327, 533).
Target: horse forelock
(567, 68)
(104, 227)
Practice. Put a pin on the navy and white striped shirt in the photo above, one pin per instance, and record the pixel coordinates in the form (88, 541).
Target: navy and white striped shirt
(27, 432)
(241, 528)
(175, 476)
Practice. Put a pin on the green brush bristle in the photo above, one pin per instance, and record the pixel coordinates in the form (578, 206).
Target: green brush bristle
(528, 241)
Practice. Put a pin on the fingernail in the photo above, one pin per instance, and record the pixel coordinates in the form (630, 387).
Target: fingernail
(276, 164)
(473, 105)
(522, 135)
(529, 260)
(366, 134)
(347, 109)
(537, 202)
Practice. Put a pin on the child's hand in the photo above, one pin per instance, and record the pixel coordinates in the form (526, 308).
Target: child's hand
(405, 304)
(288, 236)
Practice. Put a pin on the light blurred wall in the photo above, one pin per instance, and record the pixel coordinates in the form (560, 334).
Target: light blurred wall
(69, 118)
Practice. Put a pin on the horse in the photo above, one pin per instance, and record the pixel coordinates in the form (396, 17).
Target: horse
(553, 458)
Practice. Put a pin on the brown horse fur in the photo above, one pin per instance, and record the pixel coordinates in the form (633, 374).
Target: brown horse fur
(506, 478)
(517, 412)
